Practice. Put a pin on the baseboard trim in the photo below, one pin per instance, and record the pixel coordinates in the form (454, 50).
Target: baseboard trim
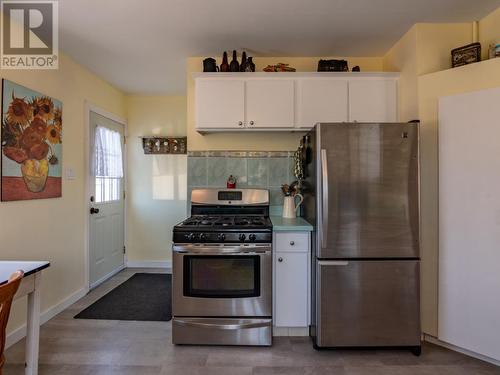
(149, 264)
(290, 331)
(45, 316)
(108, 276)
(434, 340)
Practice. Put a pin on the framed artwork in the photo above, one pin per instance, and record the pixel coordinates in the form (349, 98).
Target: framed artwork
(31, 144)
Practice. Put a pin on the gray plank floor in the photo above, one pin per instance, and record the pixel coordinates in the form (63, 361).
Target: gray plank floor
(95, 347)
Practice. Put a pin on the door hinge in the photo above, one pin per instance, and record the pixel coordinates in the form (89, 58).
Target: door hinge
(124, 194)
(124, 249)
(125, 139)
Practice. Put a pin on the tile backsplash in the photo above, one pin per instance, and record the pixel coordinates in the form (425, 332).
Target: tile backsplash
(263, 169)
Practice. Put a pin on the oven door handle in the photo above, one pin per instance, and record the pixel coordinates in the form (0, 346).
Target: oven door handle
(211, 250)
(183, 252)
(222, 326)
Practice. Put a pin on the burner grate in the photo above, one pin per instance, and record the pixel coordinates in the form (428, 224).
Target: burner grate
(225, 221)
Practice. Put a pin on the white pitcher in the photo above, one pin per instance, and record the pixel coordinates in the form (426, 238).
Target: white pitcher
(289, 206)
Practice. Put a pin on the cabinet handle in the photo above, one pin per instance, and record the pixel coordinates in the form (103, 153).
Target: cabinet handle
(292, 243)
(240, 123)
(251, 123)
(280, 259)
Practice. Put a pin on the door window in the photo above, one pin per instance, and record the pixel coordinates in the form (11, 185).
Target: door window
(107, 165)
(221, 276)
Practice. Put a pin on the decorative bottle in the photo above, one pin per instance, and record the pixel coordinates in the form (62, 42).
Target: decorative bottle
(234, 66)
(243, 64)
(250, 66)
(224, 67)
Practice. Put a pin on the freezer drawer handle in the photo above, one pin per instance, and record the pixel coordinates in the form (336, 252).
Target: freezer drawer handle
(223, 326)
(324, 208)
(333, 263)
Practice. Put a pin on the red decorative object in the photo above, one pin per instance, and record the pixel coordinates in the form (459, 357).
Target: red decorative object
(231, 182)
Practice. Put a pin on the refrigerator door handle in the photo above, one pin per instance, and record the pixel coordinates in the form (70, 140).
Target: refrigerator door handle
(324, 207)
(333, 263)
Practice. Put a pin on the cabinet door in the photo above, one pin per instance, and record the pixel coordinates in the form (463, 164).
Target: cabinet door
(321, 100)
(220, 103)
(270, 103)
(291, 294)
(373, 100)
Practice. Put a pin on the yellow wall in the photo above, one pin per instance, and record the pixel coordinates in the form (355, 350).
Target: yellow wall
(156, 194)
(266, 141)
(53, 229)
(434, 45)
(489, 31)
(402, 57)
(425, 48)
(435, 42)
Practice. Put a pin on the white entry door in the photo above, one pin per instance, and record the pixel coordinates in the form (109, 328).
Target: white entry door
(106, 201)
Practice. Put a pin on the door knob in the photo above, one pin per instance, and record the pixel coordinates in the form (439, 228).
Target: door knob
(280, 259)
(240, 123)
(94, 210)
(251, 122)
(292, 243)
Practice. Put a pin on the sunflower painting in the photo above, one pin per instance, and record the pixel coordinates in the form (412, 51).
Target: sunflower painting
(31, 144)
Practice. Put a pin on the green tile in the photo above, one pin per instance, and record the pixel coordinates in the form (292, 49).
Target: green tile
(197, 171)
(216, 172)
(258, 169)
(275, 197)
(279, 172)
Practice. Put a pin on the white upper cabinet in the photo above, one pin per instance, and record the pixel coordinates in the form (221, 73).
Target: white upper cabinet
(270, 103)
(220, 103)
(292, 101)
(373, 100)
(321, 100)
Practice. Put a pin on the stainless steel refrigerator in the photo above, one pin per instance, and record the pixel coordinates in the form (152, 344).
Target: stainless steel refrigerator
(361, 191)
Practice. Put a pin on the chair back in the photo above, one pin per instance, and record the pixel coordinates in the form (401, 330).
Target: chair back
(7, 292)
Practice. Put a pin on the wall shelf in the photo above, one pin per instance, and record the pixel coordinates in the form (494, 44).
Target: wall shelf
(158, 145)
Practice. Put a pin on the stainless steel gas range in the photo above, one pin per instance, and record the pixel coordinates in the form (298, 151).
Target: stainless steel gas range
(222, 269)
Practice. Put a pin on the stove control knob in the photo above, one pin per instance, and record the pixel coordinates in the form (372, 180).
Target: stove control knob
(252, 237)
(190, 236)
(242, 237)
(203, 237)
(221, 237)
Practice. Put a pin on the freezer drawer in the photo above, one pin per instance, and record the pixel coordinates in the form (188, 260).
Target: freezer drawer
(367, 303)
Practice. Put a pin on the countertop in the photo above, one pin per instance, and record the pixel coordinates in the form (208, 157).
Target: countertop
(7, 268)
(298, 224)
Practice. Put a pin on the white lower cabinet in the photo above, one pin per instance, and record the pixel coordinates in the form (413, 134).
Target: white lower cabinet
(291, 292)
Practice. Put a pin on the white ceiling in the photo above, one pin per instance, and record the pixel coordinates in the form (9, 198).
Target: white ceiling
(141, 46)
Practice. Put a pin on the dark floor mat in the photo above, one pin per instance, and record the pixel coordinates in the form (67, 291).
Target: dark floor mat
(145, 296)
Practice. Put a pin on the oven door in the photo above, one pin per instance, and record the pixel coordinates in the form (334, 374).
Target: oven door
(222, 280)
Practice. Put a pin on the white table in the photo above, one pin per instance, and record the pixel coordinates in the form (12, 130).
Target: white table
(30, 286)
